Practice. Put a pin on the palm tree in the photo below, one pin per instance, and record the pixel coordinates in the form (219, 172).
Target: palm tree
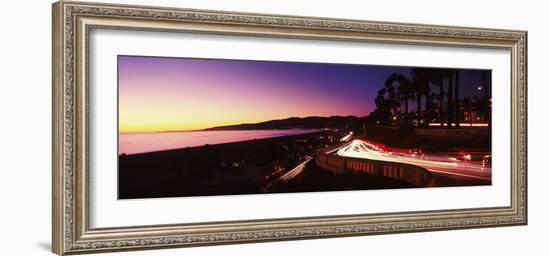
(487, 97)
(406, 93)
(429, 103)
(418, 86)
(393, 97)
(403, 94)
(387, 102)
(437, 77)
(457, 103)
(383, 109)
(432, 98)
(485, 83)
(449, 74)
(422, 80)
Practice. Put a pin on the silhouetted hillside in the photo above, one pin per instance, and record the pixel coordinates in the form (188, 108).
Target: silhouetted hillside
(312, 122)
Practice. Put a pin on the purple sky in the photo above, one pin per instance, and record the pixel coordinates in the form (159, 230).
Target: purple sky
(158, 93)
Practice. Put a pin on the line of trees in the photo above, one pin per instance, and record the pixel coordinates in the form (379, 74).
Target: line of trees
(436, 93)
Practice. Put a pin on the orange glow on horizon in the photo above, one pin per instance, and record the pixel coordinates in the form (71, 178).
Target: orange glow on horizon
(177, 125)
(178, 94)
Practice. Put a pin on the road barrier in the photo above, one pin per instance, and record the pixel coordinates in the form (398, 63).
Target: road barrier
(462, 133)
(414, 175)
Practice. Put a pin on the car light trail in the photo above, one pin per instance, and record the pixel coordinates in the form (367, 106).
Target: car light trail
(347, 137)
(432, 162)
(294, 172)
(463, 124)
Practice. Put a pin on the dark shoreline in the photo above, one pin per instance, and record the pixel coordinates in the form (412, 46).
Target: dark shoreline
(218, 144)
(218, 169)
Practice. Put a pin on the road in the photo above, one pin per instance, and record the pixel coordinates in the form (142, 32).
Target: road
(294, 172)
(438, 163)
(288, 176)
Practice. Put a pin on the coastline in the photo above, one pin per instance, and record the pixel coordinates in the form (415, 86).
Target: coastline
(303, 132)
(218, 169)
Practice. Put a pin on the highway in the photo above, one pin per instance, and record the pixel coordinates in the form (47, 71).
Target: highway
(438, 163)
(288, 175)
(294, 172)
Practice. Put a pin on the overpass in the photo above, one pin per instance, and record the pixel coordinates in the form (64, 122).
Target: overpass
(412, 174)
(411, 166)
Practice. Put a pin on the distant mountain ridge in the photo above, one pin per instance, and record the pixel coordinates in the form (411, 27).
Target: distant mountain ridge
(312, 122)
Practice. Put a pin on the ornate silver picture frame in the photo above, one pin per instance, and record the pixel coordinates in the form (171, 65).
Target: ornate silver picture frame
(74, 21)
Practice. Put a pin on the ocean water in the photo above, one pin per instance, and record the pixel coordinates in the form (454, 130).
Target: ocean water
(134, 143)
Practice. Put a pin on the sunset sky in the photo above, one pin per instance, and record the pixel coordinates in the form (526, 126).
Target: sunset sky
(169, 94)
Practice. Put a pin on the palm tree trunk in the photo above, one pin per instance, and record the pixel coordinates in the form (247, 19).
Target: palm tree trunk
(486, 92)
(406, 112)
(485, 85)
(457, 103)
(450, 104)
(428, 107)
(441, 104)
(419, 105)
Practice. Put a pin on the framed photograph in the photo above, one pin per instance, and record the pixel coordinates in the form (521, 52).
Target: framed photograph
(178, 127)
